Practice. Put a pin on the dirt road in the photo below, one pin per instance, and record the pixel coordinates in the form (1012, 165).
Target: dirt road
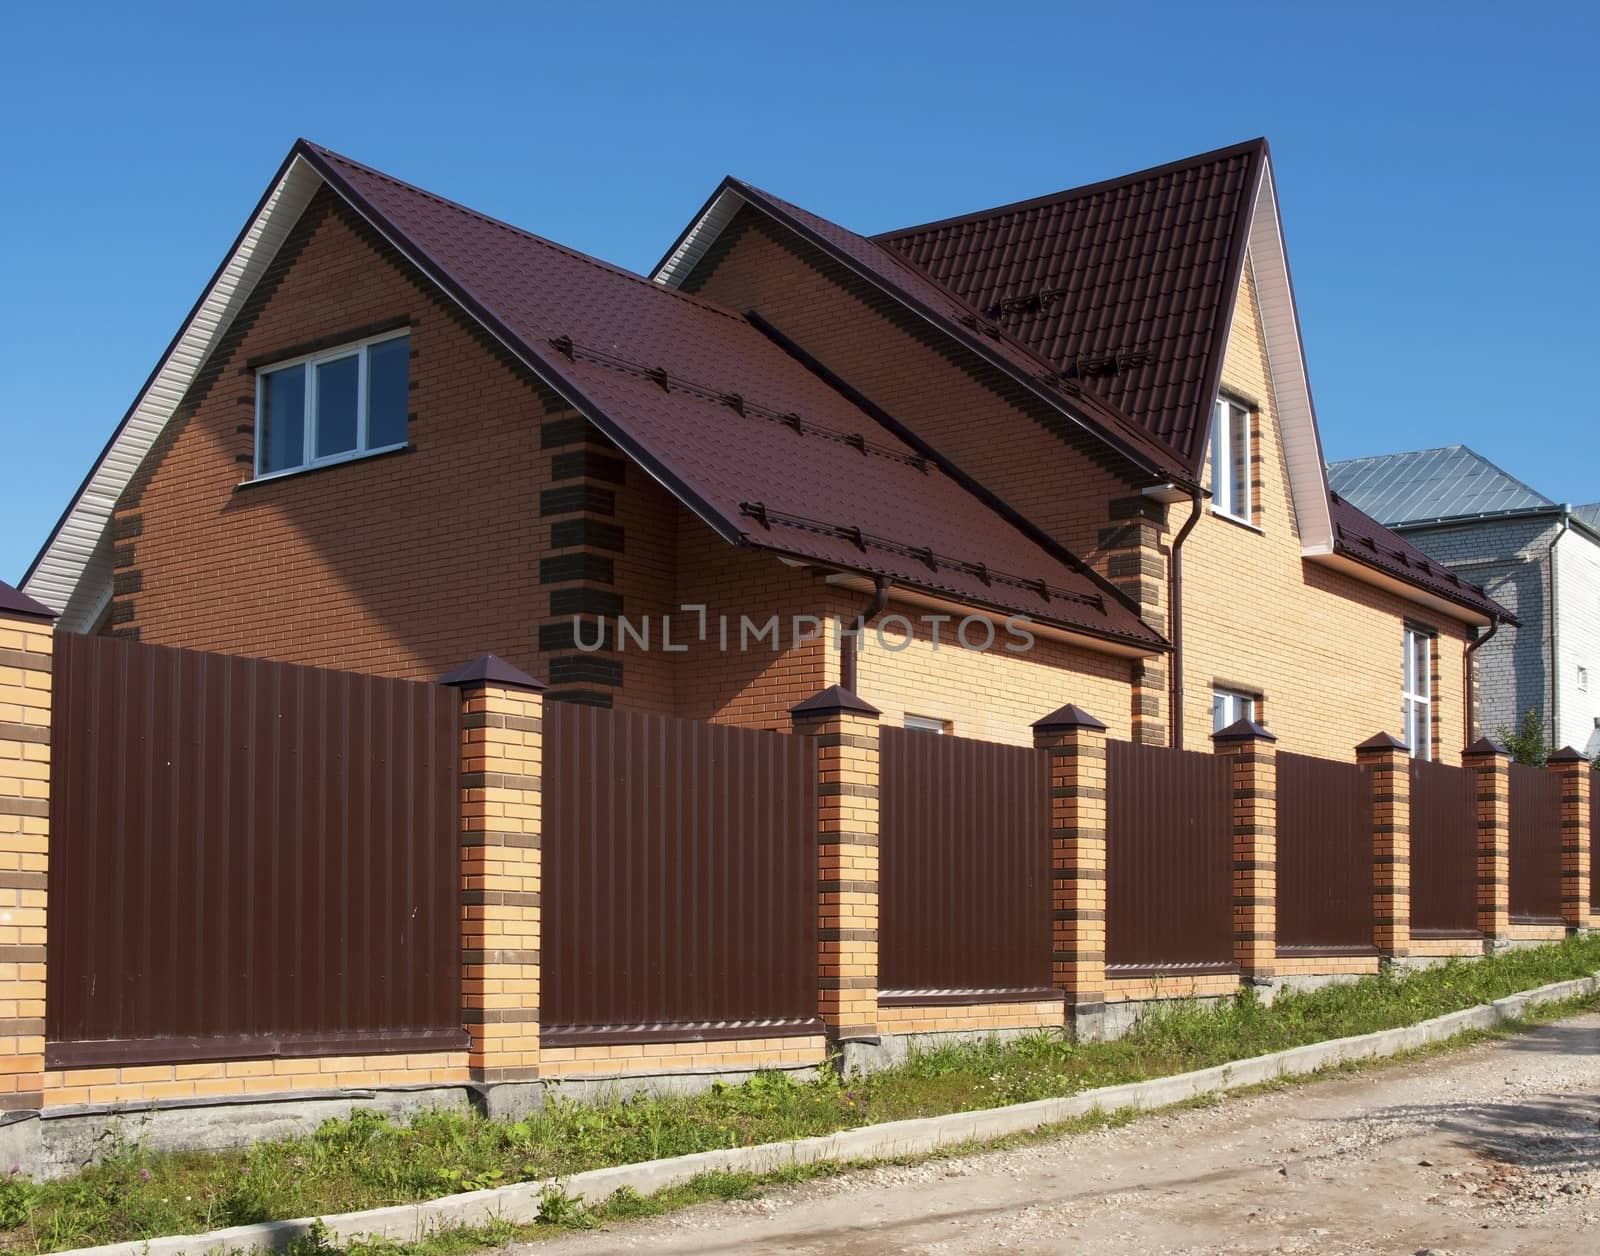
(1491, 1149)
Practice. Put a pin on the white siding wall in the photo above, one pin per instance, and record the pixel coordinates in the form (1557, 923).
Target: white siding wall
(1578, 617)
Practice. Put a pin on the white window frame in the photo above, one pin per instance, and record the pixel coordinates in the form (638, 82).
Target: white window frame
(1238, 700)
(1417, 695)
(310, 362)
(927, 724)
(1230, 500)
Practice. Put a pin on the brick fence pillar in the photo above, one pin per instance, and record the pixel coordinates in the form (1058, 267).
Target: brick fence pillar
(502, 757)
(1076, 744)
(846, 733)
(1490, 766)
(1387, 764)
(26, 650)
(1255, 846)
(1576, 841)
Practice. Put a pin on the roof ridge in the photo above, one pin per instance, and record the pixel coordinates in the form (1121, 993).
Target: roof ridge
(620, 272)
(1073, 193)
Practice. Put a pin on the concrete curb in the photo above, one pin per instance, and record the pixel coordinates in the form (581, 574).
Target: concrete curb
(520, 1203)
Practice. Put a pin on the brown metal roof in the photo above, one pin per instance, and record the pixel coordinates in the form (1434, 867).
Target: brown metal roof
(762, 448)
(1358, 535)
(1129, 283)
(15, 602)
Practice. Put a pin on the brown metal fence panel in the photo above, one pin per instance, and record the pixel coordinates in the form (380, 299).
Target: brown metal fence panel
(1444, 850)
(247, 859)
(1169, 860)
(1324, 857)
(964, 872)
(679, 889)
(1593, 840)
(1535, 845)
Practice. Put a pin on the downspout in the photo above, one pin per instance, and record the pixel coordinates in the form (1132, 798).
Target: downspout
(1175, 601)
(850, 643)
(1473, 646)
(1555, 627)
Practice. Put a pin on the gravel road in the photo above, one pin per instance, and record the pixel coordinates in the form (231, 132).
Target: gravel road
(1491, 1149)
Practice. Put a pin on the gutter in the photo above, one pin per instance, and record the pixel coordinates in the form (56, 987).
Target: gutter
(1175, 603)
(850, 642)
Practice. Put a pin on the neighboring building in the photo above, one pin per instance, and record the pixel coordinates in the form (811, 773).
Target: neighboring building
(1538, 558)
(395, 434)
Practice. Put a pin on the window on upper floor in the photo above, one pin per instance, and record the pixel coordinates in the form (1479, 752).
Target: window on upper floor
(333, 406)
(1230, 461)
(1583, 680)
(1229, 706)
(1418, 693)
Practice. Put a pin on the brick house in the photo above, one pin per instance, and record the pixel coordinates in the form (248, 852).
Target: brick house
(394, 434)
(1538, 558)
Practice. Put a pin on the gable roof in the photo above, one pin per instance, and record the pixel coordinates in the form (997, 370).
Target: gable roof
(1129, 283)
(1432, 485)
(1589, 514)
(761, 448)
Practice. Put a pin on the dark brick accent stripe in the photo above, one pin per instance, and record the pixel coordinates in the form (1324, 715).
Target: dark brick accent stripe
(498, 780)
(28, 660)
(500, 898)
(36, 733)
(846, 789)
(127, 581)
(1077, 791)
(1091, 750)
(22, 954)
(21, 1027)
(1078, 831)
(856, 741)
(585, 669)
(23, 880)
(581, 697)
(506, 1074)
(847, 887)
(1077, 913)
(591, 532)
(575, 499)
(22, 1101)
(847, 935)
(846, 983)
(486, 837)
(839, 837)
(38, 808)
(326, 342)
(585, 602)
(554, 433)
(1077, 874)
(478, 959)
(500, 1016)
(1078, 957)
(122, 556)
(567, 567)
(121, 611)
(125, 527)
(588, 464)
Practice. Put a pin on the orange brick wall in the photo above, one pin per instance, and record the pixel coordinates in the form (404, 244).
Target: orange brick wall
(665, 1057)
(156, 1082)
(974, 1018)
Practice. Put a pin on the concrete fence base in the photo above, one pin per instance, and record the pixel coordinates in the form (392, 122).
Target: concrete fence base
(520, 1203)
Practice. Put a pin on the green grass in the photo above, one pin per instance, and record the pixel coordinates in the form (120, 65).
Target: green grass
(366, 1161)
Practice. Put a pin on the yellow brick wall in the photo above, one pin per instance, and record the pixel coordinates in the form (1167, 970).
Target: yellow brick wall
(1169, 986)
(992, 695)
(658, 1057)
(977, 1018)
(1324, 965)
(156, 1082)
(1324, 649)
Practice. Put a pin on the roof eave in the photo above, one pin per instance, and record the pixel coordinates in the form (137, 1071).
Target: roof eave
(1352, 564)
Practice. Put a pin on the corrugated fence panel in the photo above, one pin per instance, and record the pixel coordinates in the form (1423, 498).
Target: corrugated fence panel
(1444, 850)
(1324, 856)
(1594, 841)
(1169, 860)
(680, 879)
(964, 871)
(248, 859)
(1535, 845)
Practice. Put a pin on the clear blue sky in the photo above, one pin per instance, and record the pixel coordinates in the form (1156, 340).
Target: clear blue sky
(1438, 167)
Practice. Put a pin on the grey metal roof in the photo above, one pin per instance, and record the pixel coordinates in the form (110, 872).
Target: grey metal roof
(1449, 483)
(1590, 514)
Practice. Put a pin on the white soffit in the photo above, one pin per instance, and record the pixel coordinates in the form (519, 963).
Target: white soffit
(72, 574)
(699, 238)
(1291, 387)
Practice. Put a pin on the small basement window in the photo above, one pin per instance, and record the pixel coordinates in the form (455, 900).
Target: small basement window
(333, 406)
(927, 724)
(1230, 461)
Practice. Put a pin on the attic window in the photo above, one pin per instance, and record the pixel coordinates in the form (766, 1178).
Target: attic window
(333, 406)
(1230, 461)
